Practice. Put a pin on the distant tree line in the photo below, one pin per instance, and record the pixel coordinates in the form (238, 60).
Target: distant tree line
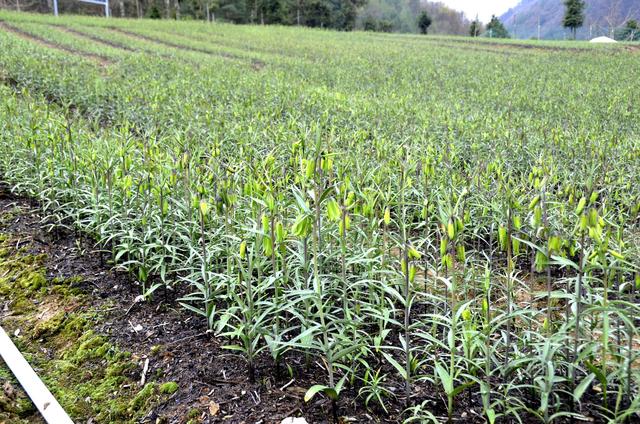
(411, 16)
(335, 14)
(416, 16)
(371, 15)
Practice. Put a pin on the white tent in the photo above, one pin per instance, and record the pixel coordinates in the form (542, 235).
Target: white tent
(603, 40)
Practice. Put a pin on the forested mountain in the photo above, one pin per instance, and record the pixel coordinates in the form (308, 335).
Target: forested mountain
(401, 16)
(602, 17)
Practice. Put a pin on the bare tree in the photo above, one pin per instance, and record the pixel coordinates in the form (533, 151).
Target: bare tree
(616, 17)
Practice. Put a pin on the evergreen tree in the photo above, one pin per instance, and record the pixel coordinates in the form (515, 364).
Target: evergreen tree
(495, 29)
(424, 22)
(630, 32)
(475, 29)
(154, 13)
(574, 15)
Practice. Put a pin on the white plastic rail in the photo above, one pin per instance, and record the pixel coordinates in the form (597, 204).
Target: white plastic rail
(42, 398)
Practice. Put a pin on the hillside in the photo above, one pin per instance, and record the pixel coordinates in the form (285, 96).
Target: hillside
(601, 17)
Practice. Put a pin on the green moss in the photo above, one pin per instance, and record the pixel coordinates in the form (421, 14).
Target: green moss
(23, 277)
(119, 366)
(64, 367)
(91, 346)
(66, 291)
(193, 413)
(142, 398)
(5, 404)
(74, 326)
(169, 388)
(34, 281)
(71, 281)
(98, 385)
(50, 326)
(89, 376)
(22, 305)
(21, 407)
(7, 216)
(24, 407)
(67, 287)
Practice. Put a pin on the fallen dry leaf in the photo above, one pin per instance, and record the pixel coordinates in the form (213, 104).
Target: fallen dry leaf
(214, 408)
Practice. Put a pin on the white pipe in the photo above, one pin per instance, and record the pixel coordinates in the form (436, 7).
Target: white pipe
(42, 398)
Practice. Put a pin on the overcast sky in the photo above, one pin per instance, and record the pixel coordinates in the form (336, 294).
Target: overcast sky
(483, 8)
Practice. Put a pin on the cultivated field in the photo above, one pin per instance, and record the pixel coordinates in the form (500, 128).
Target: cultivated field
(413, 228)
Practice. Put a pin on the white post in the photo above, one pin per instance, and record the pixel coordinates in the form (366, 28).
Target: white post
(106, 8)
(55, 7)
(41, 397)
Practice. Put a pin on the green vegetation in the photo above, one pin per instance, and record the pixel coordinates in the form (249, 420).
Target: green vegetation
(495, 29)
(403, 16)
(630, 32)
(574, 15)
(424, 22)
(476, 28)
(169, 388)
(424, 221)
